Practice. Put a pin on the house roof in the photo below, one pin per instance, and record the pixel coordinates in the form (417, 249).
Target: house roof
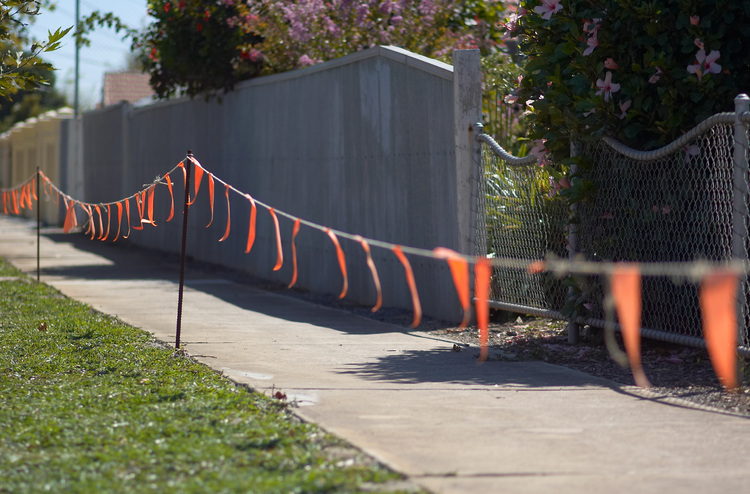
(125, 86)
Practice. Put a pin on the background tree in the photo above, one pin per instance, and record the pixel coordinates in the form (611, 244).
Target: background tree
(21, 67)
(24, 104)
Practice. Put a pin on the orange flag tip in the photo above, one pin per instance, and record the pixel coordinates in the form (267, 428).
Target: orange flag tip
(536, 267)
(718, 295)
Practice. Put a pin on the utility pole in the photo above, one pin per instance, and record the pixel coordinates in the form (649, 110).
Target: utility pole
(78, 49)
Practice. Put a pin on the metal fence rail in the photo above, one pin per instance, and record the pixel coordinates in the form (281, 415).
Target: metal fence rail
(685, 202)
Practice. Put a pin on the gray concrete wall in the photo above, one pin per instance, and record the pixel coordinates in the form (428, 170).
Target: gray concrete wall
(364, 144)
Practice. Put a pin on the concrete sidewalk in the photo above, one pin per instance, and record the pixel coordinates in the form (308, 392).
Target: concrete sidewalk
(452, 425)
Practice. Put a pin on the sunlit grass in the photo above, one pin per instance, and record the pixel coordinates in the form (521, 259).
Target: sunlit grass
(92, 405)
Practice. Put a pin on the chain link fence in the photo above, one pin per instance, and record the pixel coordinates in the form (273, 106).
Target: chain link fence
(676, 204)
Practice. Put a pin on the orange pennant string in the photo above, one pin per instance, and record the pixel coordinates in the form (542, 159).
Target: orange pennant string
(119, 220)
(718, 298)
(412, 285)
(90, 212)
(127, 211)
(342, 261)
(460, 273)
(101, 225)
(151, 191)
(140, 202)
(184, 174)
(251, 230)
(171, 196)
(109, 222)
(373, 271)
(626, 291)
(279, 252)
(15, 202)
(198, 169)
(33, 188)
(29, 195)
(5, 202)
(229, 215)
(23, 197)
(482, 278)
(211, 197)
(69, 217)
(295, 231)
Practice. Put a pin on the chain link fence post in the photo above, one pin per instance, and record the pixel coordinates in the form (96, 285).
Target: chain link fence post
(740, 204)
(573, 329)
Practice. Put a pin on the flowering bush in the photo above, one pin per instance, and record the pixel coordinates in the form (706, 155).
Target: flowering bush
(643, 72)
(298, 33)
(192, 47)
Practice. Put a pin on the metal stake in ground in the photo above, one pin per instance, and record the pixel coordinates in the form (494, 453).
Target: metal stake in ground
(38, 222)
(187, 162)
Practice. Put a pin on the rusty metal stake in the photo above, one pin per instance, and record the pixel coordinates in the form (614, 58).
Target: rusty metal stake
(187, 162)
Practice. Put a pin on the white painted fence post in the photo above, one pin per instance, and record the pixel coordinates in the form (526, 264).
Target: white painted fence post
(467, 105)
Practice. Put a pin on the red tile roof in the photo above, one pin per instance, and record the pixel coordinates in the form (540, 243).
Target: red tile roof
(125, 86)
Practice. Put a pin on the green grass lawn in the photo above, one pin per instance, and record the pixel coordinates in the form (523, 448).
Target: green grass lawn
(92, 405)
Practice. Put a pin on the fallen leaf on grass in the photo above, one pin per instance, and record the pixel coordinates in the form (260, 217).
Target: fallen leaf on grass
(43, 326)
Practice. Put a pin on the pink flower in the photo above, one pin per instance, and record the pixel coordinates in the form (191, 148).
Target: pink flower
(610, 64)
(699, 43)
(547, 8)
(606, 86)
(539, 151)
(624, 106)
(695, 20)
(510, 99)
(593, 40)
(655, 78)
(705, 63)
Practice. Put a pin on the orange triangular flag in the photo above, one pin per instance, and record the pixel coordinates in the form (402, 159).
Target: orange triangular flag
(295, 231)
(626, 290)
(109, 222)
(140, 202)
(198, 169)
(171, 196)
(33, 188)
(15, 202)
(127, 212)
(90, 212)
(101, 223)
(119, 220)
(70, 217)
(460, 272)
(251, 230)
(151, 191)
(412, 285)
(5, 202)
(211, 197)
(279, 252)
(482, 278)
(22, 200)
(718, 298)
(373, 271)
(342, 261)
(229, 216)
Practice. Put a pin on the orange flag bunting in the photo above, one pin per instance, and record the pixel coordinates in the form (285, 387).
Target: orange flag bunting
(140, 202)
(127, 212)
(412, 285)
(251, 231)
(15, 202)
(28, 195)
(90, 212)
(295, 231)
(460, 272)
(279, 252)
(23, 196)
(171, 196)
(5, 202)
(373, 270)
(119, 220)
(33, 188)
(198, 169)
(626, 291)
(101, 223)
(342, 261)
(70, 218)
(482, 278)
(151, 191)
(109, 222)
(211, 197)
(718, 298)
(229, 216)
